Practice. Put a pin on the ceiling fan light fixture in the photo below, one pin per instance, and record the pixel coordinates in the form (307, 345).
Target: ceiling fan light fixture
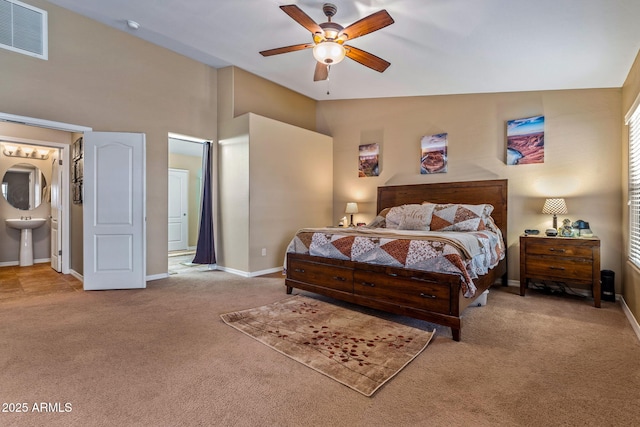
(329, 53)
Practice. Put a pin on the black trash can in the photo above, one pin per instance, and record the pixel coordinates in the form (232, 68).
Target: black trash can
(608, 285)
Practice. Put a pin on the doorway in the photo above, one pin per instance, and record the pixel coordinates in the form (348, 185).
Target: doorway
(184, 200)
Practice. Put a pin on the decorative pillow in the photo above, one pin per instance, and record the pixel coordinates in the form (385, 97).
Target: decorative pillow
(458, 217)
(380, 221)
(394, 216)
(416, 217)
(410, 217)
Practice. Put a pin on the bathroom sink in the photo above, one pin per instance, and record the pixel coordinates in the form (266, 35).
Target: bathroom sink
(26, 240)
(28, 224)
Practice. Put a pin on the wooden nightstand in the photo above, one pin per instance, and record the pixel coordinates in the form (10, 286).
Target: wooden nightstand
(561, 259)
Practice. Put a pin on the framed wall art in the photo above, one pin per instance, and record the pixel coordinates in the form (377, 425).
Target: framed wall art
(525, 141)
(369, 164)
(433, 154)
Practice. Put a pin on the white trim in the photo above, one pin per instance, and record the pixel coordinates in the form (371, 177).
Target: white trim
(632, 110)
(32, 121)
(246, 273)
(632, 320)
(9, 263)
(156, 277)
(77, 275)
(187, 138)
(66, 156)
(267, 271)
(17, 263)
(234, 271)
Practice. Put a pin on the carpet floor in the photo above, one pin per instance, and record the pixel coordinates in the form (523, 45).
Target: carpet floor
(162, 356)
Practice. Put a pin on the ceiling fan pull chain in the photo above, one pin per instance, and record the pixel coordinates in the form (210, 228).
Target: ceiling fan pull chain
(328, 80)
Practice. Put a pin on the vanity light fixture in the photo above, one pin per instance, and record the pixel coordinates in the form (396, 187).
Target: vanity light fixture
(25, 152)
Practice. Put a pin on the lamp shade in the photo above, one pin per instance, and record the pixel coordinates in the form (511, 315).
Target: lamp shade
(329, 53)
(554, 207)
(352, 208)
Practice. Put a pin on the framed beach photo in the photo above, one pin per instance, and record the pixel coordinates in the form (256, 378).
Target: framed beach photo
(525, 141)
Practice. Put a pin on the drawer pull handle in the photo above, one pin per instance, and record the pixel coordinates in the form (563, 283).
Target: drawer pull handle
(393, 274)
(423, 295)
(338, 278)
(420, 280)
(557, 250)
(369, 284)
(557, 268)
(299, 270)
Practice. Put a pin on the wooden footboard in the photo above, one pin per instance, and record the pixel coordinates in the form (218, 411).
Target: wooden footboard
(433, 297)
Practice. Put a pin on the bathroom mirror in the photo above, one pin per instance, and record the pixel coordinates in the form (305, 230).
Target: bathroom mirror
(23, 186)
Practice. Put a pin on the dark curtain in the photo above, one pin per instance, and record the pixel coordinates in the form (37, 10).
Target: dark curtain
(205, 251)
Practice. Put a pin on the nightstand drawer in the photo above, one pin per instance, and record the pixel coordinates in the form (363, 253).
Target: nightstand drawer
(573, 269)
(560, 249)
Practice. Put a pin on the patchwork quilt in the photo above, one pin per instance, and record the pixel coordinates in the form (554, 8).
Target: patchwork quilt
(467, 254)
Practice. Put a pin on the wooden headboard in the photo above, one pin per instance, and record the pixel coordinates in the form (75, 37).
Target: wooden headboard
(493, 192)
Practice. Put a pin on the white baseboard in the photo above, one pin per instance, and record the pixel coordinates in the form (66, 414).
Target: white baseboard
(248, 274)
(14, 263)
(9, 263)
(632, 320)
(156, 277)
(76, 275)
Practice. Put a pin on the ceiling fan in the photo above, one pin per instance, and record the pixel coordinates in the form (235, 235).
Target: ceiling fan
(329, 38)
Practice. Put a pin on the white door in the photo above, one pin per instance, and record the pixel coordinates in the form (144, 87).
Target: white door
(114, 211)
(56, 207)
(178, 209)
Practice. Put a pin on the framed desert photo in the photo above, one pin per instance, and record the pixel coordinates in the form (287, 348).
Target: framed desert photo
(525, 141)
(433, 153)
(369, 160)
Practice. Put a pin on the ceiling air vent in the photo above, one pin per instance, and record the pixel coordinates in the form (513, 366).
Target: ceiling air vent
(23, 29)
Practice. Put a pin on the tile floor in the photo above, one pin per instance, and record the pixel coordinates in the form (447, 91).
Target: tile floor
(38, 279)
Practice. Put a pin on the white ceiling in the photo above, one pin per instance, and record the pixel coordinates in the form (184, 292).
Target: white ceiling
(435, 47)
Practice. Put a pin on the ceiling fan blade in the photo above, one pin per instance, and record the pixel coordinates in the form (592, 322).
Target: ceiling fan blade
(301, 18)
(321, 73)
(367, 25)
(367, 59)
(286, 49)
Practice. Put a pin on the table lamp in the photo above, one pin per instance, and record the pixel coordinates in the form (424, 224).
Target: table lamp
(554, 207)
(352, 208)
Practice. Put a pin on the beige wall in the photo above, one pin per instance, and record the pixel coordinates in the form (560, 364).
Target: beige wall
(290, 184)
(582, 154)
(193, 165)
(275, 175)
(252, 94)
(274, 179)
(108, 80)
(631, 288)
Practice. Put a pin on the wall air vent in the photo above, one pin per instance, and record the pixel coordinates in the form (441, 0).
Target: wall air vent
(23, 29)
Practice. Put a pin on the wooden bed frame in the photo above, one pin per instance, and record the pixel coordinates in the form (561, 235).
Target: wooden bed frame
(434, 297)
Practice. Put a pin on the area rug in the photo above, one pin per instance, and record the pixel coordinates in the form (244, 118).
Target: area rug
(358, 350)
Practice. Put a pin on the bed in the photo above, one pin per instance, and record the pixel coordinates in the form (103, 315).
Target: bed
(434, 296)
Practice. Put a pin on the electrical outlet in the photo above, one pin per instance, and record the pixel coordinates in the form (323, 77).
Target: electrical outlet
(264, 251)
